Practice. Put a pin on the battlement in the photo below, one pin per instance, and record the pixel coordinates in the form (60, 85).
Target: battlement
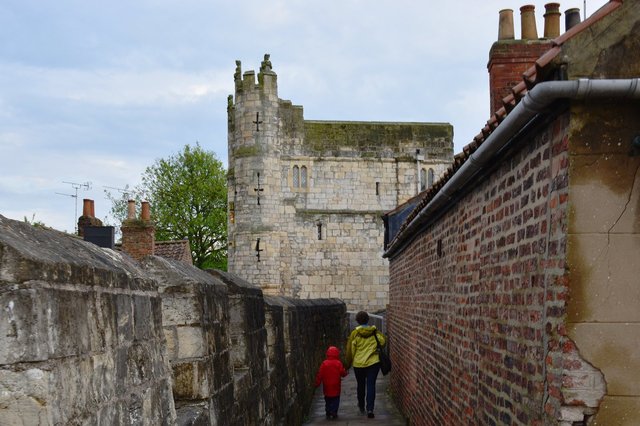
(371, 139)
(245, 83)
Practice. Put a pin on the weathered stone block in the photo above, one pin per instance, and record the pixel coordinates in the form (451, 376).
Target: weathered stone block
(190, 342)
(191, 379)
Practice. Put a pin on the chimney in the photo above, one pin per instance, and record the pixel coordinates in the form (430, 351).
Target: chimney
(528, 22)
(571, 18)
(146, 212)
(88, 208)
(505, 27)
(88, 217)
(90, 228)
(131, 209)
(552, 20)
(138, 235)
(509, 58)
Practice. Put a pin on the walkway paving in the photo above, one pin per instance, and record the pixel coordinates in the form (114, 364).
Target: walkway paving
(348, 414)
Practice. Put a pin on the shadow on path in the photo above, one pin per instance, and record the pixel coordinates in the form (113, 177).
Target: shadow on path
(348, 414)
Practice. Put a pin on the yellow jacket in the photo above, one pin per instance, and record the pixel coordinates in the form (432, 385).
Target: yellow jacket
(362, 350)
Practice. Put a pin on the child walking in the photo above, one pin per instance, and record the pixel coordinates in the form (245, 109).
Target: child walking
(330, 375)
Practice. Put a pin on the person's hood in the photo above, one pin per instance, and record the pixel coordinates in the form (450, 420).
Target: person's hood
(366, 330)
(333, 353)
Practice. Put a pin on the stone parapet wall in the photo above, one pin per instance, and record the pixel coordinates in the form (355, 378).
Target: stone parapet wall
(92, 337)
(195, 318)
(298, 335)
(81, 337)
(370, 139)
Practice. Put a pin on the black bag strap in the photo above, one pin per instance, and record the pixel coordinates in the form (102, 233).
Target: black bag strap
(375, 334)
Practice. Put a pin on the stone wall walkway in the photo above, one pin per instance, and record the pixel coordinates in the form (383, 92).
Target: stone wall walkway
(348, 414)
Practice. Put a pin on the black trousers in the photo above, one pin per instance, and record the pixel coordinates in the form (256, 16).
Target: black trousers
(366, 378)
(331, 404)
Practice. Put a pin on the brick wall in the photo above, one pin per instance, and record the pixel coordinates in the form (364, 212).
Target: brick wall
(508, 60)
(477, 300)
(138, 238)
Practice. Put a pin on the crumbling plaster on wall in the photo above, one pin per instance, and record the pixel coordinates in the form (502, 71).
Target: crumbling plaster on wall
(603, 232)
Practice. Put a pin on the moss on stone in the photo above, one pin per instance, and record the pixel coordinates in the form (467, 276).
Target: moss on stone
(246, 151)
(368, 139)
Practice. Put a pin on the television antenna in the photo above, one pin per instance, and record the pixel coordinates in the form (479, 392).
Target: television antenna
(124, 191)
(76, 186)
(584, 11)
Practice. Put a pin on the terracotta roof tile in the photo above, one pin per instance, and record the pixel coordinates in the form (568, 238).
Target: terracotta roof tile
(501, 114)
(529, 77)
(519, 90)
(176, 250)
(509, 103)
(547, 57)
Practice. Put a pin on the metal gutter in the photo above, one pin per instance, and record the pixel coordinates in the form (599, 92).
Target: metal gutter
(534, 102)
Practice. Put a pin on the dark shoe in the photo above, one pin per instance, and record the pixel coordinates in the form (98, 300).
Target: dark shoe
(370, 415)
(362, 411)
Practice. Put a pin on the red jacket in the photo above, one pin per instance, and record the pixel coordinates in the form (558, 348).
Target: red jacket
(331, 373)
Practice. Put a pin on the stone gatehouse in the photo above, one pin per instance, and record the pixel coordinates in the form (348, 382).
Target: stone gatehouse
(306, 198)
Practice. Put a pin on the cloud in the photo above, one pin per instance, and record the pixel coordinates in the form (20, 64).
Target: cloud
(115, 87)
(96, 91)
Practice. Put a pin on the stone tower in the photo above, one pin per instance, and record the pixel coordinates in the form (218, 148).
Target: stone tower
(254, 177)
(306, 198)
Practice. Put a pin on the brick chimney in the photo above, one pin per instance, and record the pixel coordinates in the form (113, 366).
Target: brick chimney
(509, 58)
(91, 229)
(88, 217)
(138, 235)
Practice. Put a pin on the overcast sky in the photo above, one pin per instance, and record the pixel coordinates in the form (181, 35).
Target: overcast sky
(95, 91)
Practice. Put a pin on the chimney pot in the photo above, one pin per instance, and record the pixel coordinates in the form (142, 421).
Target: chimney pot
(146, 211)
(528, 22)
(571, 18)
(552, 20)
(87, 207)
(131, 209)
(505, 25)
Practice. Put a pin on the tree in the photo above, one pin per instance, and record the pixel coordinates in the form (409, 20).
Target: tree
(188, 197)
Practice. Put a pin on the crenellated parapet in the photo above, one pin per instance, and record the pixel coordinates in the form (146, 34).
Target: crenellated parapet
(245, 83)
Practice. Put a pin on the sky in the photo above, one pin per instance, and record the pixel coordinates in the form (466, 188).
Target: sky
(93, 92)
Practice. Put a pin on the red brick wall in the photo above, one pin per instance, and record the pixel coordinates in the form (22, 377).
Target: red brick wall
(508, 60)
(138, 238)
(476, 329)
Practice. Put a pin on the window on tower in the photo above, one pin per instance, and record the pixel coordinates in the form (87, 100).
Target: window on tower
(423, 179)
(296, 177)
(299, 178)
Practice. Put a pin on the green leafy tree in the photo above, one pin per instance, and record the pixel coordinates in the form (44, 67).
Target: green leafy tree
(188, 197)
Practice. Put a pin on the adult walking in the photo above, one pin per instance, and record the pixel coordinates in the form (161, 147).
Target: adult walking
(362, 355)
